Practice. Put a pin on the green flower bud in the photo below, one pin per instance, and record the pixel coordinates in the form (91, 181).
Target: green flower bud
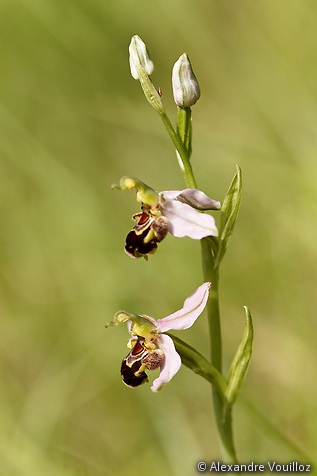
(139, 57)
(141, 67)
(186, 89)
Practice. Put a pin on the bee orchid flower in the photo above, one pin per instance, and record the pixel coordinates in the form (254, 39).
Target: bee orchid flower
(178, 212)
(150, 348)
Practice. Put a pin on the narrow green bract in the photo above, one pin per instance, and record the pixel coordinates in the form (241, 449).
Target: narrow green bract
(198, 364)
(241, 361)
(229, 214)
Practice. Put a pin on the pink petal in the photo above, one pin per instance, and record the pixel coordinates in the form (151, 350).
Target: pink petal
(186, 221)
(171, 365)
(197, 199)
(193, 197)
(185, 317)
(170, 194)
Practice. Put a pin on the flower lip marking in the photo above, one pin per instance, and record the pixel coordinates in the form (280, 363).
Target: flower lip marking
(145, 235)
(138, 359)
(132, 373)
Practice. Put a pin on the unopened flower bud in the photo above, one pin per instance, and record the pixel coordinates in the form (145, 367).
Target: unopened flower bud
(139, 57)
(141, 67)
(186, 89)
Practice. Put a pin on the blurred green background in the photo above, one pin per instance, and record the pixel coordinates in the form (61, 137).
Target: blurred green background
(72, 122)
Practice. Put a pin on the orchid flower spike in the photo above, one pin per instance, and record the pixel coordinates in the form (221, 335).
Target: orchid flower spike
(150, 347)
(173, 211)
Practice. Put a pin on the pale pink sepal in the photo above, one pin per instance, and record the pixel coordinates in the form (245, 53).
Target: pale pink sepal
(185, 317)
(198, 199)
(193, 197)
(171, 365)
(186, 221)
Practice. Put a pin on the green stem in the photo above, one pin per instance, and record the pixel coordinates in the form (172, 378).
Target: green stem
(181, 152)
(224, 424)
(182, 143)
(184, 128)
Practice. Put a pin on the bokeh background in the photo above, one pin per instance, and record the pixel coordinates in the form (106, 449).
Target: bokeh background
(72, 122)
